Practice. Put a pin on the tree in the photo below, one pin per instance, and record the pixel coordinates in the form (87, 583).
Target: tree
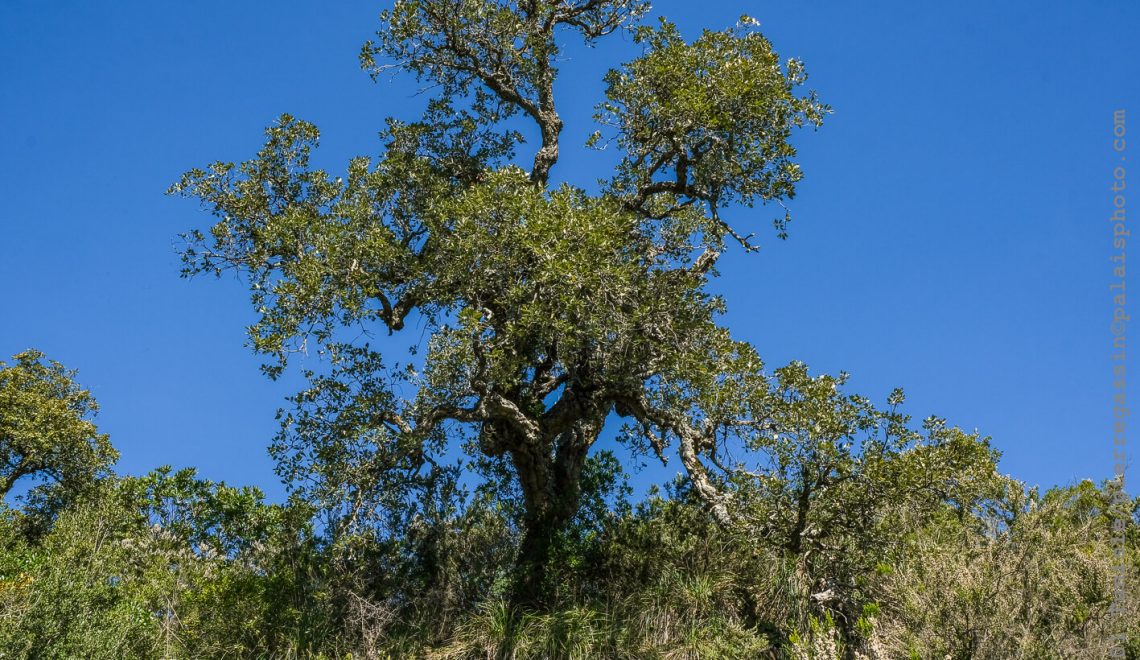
(547, 308)
(838, 484)
(46, 432)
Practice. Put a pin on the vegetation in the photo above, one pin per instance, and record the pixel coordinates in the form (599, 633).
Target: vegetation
(466, 500)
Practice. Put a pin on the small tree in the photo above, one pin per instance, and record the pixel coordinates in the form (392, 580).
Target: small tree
(839, 485)
(46, 433)
(546, 308)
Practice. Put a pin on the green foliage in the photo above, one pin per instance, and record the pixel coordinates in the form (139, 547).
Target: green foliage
(46, 433)
(709, 120)
(160, 566)
(1028, 578)
(171, 566)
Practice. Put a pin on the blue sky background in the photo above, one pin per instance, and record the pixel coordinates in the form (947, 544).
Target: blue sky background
(950, 237)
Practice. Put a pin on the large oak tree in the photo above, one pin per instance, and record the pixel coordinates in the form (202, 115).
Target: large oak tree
(546, 308)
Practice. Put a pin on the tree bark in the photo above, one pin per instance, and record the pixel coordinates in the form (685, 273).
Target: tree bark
(550, 476)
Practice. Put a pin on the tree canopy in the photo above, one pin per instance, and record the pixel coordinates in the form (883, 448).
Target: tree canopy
(546, 309)
(47, 436)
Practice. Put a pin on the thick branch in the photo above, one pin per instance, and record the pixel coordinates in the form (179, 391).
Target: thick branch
(689, 439)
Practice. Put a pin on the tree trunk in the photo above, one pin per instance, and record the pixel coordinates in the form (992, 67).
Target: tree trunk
(532, 589)
(551, 484)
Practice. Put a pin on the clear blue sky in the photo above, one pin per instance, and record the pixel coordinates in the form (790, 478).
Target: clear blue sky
(951, 236)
